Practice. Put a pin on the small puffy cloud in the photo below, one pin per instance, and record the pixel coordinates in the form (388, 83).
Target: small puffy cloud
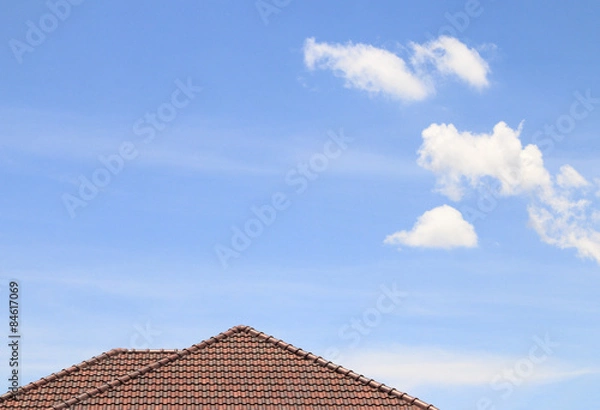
(380, 71)
(450, 56)
(560, 209)
(568, 177)
(441, 227)
(367, 68)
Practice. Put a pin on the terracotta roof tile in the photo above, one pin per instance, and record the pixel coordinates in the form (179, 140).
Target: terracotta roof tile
(237, 369)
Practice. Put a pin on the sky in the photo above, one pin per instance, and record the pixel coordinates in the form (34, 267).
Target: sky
(410, 189)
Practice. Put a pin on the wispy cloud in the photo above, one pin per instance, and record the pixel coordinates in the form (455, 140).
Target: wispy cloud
(202, 161)
(380, 71)
(367, 68)
(409, 367)
(441, 227)
(366, 163)
(570, 178)
(76, 141)
(450, 56)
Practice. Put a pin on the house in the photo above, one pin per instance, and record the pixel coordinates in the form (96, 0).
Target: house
(241, 368)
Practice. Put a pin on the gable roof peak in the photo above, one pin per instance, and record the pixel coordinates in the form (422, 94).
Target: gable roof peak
(261, 357)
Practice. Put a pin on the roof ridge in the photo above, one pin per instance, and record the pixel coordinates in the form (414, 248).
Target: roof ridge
(177, 354)
(69, 370)
(335, 367)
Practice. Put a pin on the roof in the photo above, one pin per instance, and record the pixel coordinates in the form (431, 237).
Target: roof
(237, 369)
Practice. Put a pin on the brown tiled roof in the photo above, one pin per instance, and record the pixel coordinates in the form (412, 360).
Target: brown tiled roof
(238, 369)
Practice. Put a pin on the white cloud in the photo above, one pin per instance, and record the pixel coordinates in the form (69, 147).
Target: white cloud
(567, 229)
(367, 68)
(380, 71)
(410, 367)
(456, 157)
(450, 56)
(441, 227)
(559, 211)
(568, 177)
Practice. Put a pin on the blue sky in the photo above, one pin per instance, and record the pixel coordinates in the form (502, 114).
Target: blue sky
(409, 188)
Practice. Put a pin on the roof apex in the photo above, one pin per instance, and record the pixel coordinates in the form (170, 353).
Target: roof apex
(173, 355)
(322, 362)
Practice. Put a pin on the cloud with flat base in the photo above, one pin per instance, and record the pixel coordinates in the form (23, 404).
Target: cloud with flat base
(442, 227)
